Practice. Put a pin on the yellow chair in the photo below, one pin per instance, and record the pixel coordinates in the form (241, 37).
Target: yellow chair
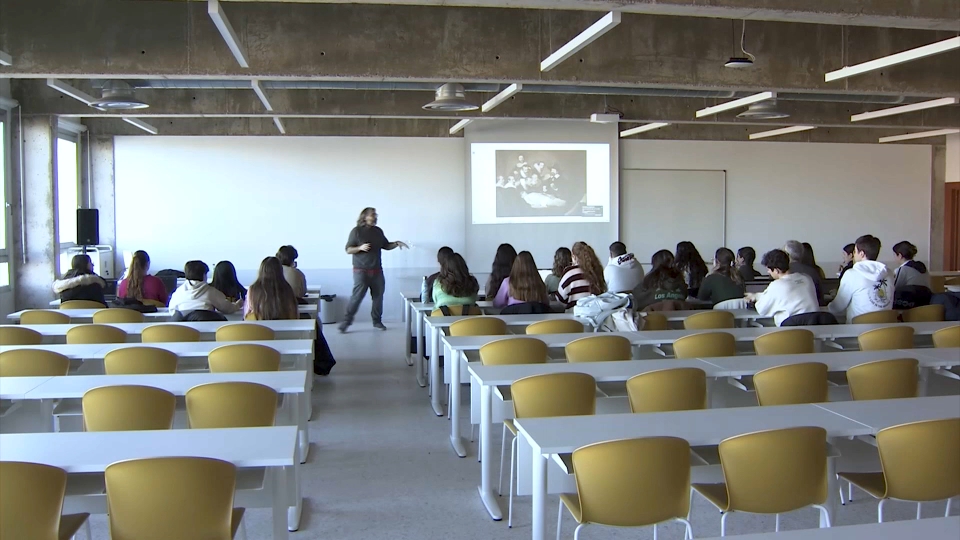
(918, 463)
(771, 472)
(512, 351)
(154, 303)
(31, 499)
(33, 363)
(885, 379)
(127, 408)
(117, 315)
(457, 311)
(599, 348)
(931, 313)
(44, 316)
(885, 339)
(710, 320)
(169, 333)
(479, 326)
(139, 361)
(792, 384)
(557, 326)
(655, 321)
(630, 483)
(95, 333)
(231, 405)
(172, 497)
(877, 317)
(243, 357)
(244, 332)
(947, 337)
(679, 389)
(705, 345)
(15, 335)
(81, 304)
(794, 341)
(543, 396)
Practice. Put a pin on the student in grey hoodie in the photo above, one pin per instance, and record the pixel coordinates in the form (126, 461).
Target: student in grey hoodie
(909, 272)
(623, 272)
(868, 286)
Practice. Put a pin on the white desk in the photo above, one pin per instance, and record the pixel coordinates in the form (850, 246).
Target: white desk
(885, 413)
(161, 315)
(91, 452)
(285, 329)
(17, 388)
(918, 529)
(418, 312)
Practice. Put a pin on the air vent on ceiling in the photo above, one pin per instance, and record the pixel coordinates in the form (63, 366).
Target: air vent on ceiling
(451, 98)
(118, 95)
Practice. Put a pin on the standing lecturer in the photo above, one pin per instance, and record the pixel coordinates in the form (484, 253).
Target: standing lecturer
(365, 242)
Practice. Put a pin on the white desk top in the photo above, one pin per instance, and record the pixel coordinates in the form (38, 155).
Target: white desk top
(75, 386)
(18, 387)
(943, 355)
(919, 529)
(884, 413)
(196, 349)
(511, 320)
(301, 328)
(601, 371)
(78, 452)
(565, 434)
(161, 315)
(735, 366)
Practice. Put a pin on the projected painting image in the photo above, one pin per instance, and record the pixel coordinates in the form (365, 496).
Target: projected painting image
(540, 183)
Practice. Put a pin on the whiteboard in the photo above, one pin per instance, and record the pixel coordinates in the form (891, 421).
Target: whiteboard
(659, 208)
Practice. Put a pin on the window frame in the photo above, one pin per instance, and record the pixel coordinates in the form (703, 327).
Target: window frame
(6, 141)
(74, 137)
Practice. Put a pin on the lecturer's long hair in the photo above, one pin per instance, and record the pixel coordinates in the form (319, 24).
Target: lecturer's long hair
(362, 220)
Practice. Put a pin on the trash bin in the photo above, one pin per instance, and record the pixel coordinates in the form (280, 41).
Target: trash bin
(328, 313)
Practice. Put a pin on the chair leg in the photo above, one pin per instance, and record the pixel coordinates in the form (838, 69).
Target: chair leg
(849, 491)
(89, 529)
(825, 518)
(918, 510)
(880, 511)
(776, 526)
(947, 513)
(723, 523)
(559, 519)
(513, 453)
(842, 502)
(688, 529)
(576, 533)
(503, 456)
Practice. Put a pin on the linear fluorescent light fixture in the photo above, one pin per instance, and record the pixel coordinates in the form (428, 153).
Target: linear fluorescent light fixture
(643, 128)
(226, 30)
(781, 131)
(506, 94)
(71, 91)
(257, 89)
(920, 135)
(736, 104)
(460, 125)
(277, 122)
(140, 124)
(903, 109)
(894, 59)
(588, 36)
(5, 59)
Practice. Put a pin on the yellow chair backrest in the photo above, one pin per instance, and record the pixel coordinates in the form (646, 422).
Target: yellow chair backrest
(95, 333)
(931, 313)
(31, 498)
(655, 321)
(557, 326)
(33, 363)
(117, 315)
(244, 332)
(554, 394)
(152, 302)
(169, 333)
(679, 389)
(515, 350)
(705, 345)
(151, 499)
(919, 460)
(775, 471)
(633, 482)
(457, 311)
(243, 357)
(947, 337)
(81, 304)
(885, 339)
(877, 317)
(710, 320)
(231, 405)
(15, 335)
(127, 408)
(479, 326)
(139, 361)
(886, 379)
(44, 316)
(792, 384)
(793, 341)
(599, 348)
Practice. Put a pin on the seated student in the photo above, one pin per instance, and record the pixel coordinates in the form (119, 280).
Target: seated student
(502, 263)
(909, 271)
(790, 293)
(746, 256)
(868, 286)
(623, 272)
(455, 286)
(582, 279)
(426, 291)
(724, 282)
(288, 258)
(689, 262)
(795, 251)
(270, 297)
(847, 260)
(663, 283)
(524, 285)
(197, 300)
(139, 284)
(562, 259)
(80, 282)
(810, 260)
(225, 280)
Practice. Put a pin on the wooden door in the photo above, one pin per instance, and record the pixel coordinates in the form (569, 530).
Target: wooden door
(951, 226)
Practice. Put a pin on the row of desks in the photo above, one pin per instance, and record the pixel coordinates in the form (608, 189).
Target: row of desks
(284, 330)
(161, 315)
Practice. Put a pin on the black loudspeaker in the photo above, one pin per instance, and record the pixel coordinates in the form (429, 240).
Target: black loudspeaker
(88, 226)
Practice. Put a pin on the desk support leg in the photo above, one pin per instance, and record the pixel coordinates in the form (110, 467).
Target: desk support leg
(294, 498)
(539, 518)
(486, 485)
(925, 375)
(300, 412)
(453, 362)
(407, 330)
(278, 483)
(435, 382)
(832, 493)
(418, 321)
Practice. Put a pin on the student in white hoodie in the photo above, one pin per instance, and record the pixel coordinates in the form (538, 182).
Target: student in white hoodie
(623, 272)
(868, 286)
(196, 295)
(789, 294)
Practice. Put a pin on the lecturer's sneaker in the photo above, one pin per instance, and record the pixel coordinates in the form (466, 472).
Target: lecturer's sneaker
(343, 328)
(379, 326)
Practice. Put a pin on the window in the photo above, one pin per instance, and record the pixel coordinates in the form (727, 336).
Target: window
(4, 257)
(68, 188)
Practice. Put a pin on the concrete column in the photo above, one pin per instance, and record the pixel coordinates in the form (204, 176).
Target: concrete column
(102, 191)
(953, 158)
(34, 215)
(937, 176)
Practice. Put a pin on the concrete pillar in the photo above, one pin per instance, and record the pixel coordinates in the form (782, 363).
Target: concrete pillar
(953, 158)
(101, 188)
(34, 215)
(938, 176)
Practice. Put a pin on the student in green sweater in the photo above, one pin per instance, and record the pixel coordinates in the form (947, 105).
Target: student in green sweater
(724, 282)
(455, 286)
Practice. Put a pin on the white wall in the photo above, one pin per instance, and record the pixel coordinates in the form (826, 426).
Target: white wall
(953, 158)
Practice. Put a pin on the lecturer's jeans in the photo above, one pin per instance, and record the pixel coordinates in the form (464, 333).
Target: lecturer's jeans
(362, 281)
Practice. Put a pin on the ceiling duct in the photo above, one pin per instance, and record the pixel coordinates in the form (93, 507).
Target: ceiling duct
(451, 98)
(118, 95)
(764, 110)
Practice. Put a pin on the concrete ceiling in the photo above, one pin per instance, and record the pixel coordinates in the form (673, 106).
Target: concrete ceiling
(662, 63)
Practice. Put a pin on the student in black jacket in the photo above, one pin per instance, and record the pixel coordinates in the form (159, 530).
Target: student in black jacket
(746, 257)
